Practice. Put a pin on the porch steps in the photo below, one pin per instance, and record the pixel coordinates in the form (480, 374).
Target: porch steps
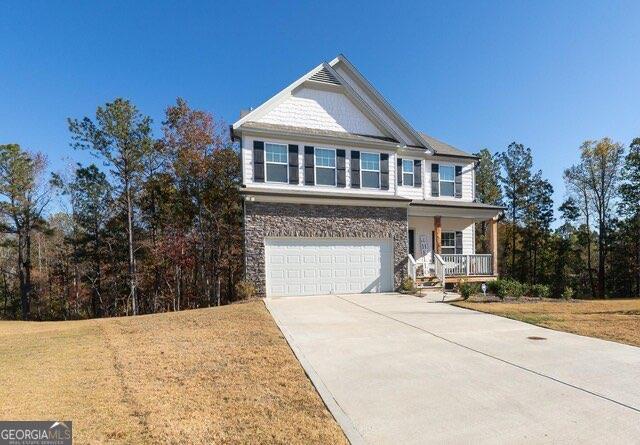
(428, 283)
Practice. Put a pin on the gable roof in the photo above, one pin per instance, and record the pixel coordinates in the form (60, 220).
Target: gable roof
(384, 105)
(341, 76)
(325, 75)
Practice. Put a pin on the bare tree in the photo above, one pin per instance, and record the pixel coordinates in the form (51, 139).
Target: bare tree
(596, 178)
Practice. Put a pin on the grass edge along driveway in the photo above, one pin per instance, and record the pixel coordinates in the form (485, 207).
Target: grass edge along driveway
(615, 320)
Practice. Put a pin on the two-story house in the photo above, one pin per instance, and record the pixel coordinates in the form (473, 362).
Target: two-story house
(343, 195)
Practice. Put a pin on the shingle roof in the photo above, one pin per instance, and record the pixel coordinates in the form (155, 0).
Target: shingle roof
(444, 149)
(314, 132)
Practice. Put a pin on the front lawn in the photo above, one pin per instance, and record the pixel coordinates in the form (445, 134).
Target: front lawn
(617, 320)
(223, 375)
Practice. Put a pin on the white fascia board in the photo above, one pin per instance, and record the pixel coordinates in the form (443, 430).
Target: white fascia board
(397, 117)
(453, 212)
(334, 201)
(275, 100)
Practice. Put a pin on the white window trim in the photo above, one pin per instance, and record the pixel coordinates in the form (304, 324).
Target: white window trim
(286, 147)
(368, 170)
(440, 181)
(335, 168)
(412, 172)
(442, 246)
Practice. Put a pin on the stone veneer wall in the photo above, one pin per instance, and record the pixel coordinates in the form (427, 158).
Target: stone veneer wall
(263, 220)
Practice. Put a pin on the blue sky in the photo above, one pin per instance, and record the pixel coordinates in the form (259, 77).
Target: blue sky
(475, 74)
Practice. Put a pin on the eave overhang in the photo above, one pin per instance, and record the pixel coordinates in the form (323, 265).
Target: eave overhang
(259, 194)
(455, 209)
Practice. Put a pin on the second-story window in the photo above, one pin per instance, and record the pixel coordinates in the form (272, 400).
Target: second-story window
(370, 170)
(325, 166)
(276, 162)
(407, 172)
(447, 180)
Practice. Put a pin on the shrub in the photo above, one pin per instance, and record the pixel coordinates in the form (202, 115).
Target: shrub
(245, 290)
(511, 288)
(567, 294)
(540, 291)
(468, 289)
(407, 286)
(493, 287)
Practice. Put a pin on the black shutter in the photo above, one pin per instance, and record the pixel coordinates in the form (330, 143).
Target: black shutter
(399, 171)
(435, 180)
(458, 181)
(417, 173)
(340, 165)
(308, 165)
(258, 161)
(293, 165)
(355, 169)
(384, 171)
(433, 244)
(459, 243)
(412, 241)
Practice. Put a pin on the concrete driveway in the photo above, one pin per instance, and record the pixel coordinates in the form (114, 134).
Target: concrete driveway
(398, 369)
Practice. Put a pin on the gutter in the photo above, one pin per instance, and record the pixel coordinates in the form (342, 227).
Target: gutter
(443, 155)
(470, 206)
(354, 197)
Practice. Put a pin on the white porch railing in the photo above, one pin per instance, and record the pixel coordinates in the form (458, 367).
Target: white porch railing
(412, 267)
(440, 268)
(468, 265)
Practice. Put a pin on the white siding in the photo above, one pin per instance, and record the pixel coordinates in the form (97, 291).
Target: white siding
(467, 179)
(423, 192)
(325, 110)
(247, 159)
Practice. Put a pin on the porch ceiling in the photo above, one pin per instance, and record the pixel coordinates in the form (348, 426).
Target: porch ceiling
(457, 209)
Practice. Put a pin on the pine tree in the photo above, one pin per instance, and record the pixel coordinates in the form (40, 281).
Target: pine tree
(121, 136)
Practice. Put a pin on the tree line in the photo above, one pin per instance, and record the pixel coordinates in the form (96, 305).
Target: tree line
(154, 225)
(594, 252)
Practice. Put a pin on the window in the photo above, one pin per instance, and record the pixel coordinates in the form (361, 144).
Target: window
(448, 243)
(325, 166)
(276, 163)
(447, 180)
(370, 170)
(407, 172)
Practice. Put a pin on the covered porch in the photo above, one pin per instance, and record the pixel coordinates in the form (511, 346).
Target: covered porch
(442, 241)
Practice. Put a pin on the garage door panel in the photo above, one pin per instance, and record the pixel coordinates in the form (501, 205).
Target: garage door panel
(306, 266)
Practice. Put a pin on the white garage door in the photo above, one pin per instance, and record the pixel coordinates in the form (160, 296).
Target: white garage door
(320, 266)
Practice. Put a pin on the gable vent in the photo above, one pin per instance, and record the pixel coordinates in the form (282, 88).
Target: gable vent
(324, 76)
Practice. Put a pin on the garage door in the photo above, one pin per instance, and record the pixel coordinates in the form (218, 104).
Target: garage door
(320, 266)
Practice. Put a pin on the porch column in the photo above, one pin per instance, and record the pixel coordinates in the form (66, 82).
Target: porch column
(493, 233)
(437, 224)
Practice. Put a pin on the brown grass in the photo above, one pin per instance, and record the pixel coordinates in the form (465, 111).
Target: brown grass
(617, 320)
(223, 375)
